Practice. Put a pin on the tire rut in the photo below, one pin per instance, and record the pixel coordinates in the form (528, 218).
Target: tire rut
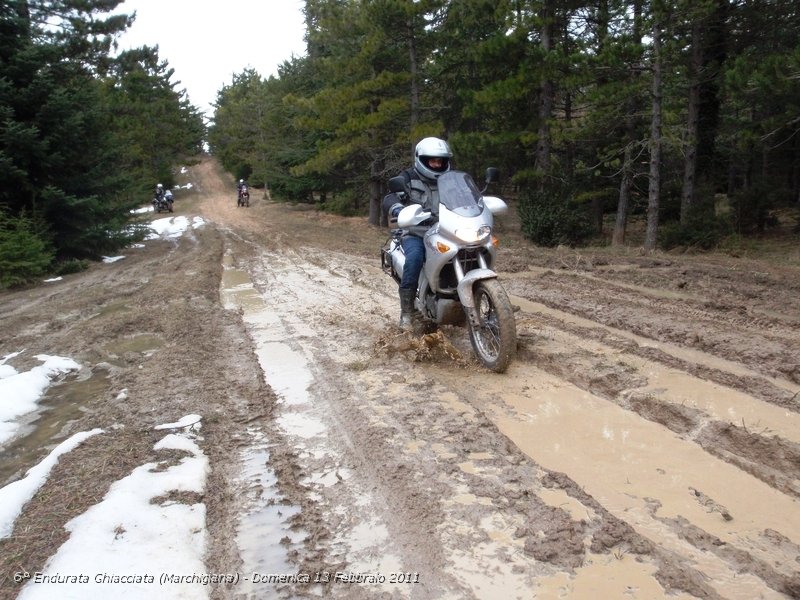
(588, 464)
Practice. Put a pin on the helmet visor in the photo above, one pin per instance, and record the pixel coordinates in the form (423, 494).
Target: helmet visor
(438, 164)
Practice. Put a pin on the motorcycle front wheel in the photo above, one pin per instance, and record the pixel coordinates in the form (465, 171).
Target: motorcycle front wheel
(495, 339)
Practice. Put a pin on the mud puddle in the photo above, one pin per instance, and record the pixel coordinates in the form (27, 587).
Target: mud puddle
(144, 343)
(299, 420)
(264, 533)
(50, 424)
(497, 564)
(669, 489)
(672, 386)
(685, 354)
(647, 476)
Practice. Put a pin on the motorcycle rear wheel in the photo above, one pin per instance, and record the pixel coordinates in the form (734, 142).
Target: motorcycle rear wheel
(495, 339)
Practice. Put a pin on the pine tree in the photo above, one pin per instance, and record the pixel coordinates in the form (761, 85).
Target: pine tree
(54, 128)
(75, 133)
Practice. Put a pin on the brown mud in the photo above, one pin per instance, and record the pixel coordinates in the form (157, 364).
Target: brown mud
(645, 443)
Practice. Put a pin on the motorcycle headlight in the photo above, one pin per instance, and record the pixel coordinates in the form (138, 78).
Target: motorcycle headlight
(474, 236)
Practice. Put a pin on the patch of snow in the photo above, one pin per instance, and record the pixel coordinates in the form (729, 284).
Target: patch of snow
(20, 392)
(137, 542)
(17, 493)
(186, 421)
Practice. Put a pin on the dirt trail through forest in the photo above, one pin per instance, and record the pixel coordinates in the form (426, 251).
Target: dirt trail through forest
(644, 444)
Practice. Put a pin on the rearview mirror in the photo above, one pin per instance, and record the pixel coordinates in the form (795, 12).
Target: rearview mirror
(492, 175)
(397, 184)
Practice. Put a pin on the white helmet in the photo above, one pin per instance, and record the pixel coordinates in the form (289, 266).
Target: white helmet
(159, 186)
(241, 181)
(431, 147)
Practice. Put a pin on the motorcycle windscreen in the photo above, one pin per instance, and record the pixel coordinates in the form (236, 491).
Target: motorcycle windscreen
(458, 192)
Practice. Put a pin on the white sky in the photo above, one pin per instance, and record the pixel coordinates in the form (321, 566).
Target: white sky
(119, 544)
(209, 42)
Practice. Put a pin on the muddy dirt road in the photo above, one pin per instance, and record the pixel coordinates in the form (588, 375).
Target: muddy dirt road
(644, 444)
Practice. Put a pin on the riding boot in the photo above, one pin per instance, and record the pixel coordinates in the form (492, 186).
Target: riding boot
(406, 308)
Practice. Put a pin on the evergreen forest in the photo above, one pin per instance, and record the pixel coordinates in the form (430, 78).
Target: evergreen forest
(85, 134)
(682, 114)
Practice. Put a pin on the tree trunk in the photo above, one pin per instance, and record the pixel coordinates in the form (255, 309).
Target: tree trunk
(618, 237)
(413, 69)
(625, 186)
(375, 198)
(654, 189)
(796, 172)
(546, 93)
(692, 119)
(603, 17)
(709, 53)
(569, 144)
(714, 56)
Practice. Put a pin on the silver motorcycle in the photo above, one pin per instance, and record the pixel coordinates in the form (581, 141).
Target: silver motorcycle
(457, 284)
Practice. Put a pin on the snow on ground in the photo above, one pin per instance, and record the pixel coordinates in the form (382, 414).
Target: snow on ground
(141, 540)
(173, 227)
(167, 228)
(186, 421)
(20, 393)
(147, 537)
(16, 494)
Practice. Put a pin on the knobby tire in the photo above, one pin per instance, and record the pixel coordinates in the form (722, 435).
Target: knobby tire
(495, 340)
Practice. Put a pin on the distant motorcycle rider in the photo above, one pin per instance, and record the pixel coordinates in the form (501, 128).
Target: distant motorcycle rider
(431, 158)
(158, 197)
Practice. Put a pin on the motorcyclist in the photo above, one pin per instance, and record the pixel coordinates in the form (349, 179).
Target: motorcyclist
(240, 186)
(158, 196)
(431, 158)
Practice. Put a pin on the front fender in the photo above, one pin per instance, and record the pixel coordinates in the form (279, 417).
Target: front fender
(465, 287)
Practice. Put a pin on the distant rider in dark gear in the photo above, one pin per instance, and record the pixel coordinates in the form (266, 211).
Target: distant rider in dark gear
(158, 196)
(431, 159)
